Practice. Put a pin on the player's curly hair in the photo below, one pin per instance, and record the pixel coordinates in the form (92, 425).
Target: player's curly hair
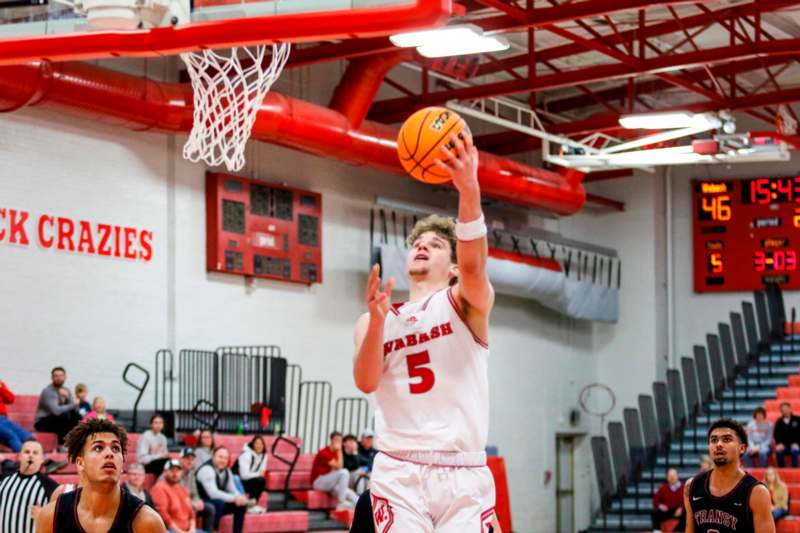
(734, 425)
(76, 438)
(444, 227)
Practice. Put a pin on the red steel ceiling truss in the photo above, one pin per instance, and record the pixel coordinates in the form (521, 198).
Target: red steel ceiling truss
(643, 68)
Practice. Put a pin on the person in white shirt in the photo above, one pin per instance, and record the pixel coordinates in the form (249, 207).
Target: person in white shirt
(251, 466)
(427, 361)
(151, 449)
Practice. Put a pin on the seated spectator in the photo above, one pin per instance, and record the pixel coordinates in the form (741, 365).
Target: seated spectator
(759, 436)
(787, 436)
(172, 500)
(706, 463)
(251, 465)
(98, 410)
(57, 411)
(189, 480)
(151, 450)
(779, 492)
(81, 393)
(329, 475)
(217, 489)
(366, 449)
(135, 483)
(354, 464)
(24, 493)
(668, 501)
(11, 434)
(204, 449)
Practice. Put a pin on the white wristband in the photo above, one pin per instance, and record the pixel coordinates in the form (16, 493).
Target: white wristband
(469, 231)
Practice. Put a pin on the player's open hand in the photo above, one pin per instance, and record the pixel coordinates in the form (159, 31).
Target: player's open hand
(378, 301)
(459, 160)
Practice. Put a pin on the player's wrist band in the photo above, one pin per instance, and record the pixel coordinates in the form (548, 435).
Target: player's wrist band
(469, 231)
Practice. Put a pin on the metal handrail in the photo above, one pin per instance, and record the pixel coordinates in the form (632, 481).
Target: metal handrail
(291, 464)
(214, 414)
(141, 388)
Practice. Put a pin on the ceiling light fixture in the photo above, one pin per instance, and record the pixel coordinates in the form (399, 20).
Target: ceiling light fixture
(669, 120)
(450, 41)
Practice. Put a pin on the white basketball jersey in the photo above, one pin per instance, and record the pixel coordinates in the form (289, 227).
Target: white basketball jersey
(434, 391)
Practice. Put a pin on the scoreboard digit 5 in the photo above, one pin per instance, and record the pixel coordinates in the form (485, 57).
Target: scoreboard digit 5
(746, 233)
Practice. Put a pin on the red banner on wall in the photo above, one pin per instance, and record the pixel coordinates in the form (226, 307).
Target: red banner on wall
(75, 235)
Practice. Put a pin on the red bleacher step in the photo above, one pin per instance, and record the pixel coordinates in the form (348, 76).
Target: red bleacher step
(272, 522)
(788, 393)
(794, 381)
(345, 516)
(788, 525)
(315, 499)
(299, 480)
(790, 476)
(775, 405)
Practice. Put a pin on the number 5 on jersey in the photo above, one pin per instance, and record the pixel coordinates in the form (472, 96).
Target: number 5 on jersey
(417, 370)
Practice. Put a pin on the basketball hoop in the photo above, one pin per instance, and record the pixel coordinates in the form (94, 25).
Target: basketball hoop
(227, 95)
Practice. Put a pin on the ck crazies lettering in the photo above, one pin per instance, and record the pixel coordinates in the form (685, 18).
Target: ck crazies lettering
(78, 236)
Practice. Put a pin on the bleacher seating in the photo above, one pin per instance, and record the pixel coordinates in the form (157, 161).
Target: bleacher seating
(747, 365)
(277, 522)
(23, 412)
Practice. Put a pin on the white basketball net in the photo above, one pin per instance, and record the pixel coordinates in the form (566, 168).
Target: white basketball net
(227, 95)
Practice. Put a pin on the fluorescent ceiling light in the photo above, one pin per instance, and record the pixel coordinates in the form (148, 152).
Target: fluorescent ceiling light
(450, 41)
(672, 120)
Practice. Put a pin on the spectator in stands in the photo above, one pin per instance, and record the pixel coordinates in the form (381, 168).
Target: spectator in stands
(779, 492)
(98, 410)
(11, 434)
(81, 393)
(668, 501)
(251, 465)
(366, 449)
(354, 464)
(787, 436)
(189, 480)
(24, 493)
(204, 449)
(151, 450)
(135, 483)
(759, 436)
(329, 475)
(57, 411)
(172, 500)
(706, 463)
(217, 489)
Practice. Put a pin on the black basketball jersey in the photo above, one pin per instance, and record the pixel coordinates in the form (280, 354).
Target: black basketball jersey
(723, 514)
(66, 517)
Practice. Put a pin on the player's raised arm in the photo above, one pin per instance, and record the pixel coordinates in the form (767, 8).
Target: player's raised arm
(473, 288)
(368, 364)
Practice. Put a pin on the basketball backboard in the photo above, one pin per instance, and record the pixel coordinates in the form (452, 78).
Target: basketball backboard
(50, 29)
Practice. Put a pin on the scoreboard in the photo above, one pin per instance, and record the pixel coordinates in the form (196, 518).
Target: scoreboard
(746, 233)
(263, 230)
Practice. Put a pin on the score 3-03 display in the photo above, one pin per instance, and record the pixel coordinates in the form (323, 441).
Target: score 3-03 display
(746, 233)
(262, 229)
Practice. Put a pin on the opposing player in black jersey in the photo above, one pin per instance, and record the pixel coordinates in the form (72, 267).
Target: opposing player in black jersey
(727, 499)
(101, 505)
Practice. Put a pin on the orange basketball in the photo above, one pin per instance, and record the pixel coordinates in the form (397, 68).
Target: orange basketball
(420, 137)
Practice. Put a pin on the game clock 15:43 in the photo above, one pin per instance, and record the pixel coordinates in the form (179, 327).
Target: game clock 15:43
(746, 233)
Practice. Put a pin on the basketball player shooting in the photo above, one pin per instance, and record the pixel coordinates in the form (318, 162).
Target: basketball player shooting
(100, 505)
(426, 360)
(727, 499)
